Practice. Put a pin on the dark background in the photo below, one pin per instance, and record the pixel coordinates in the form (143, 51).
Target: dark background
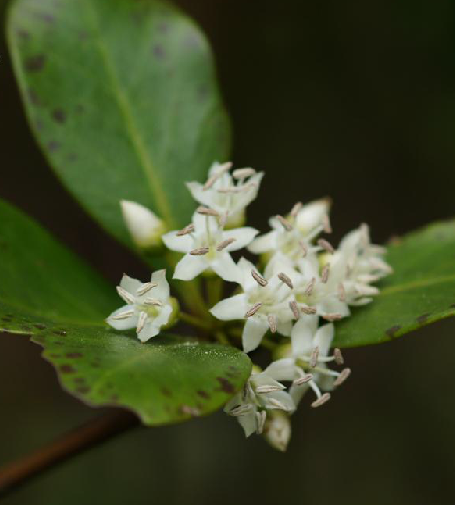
(350, 99)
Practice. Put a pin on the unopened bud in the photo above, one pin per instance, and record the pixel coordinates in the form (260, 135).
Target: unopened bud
(277, 429)
(145, 227)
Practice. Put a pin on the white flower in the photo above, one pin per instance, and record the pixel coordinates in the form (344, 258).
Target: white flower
(148, 306)
(293, 236)
(307, 365)
(260, 393)
(144, 226)
(207, 246)
(266, 302)
(227, 194)
(277, 429)
(356, 264)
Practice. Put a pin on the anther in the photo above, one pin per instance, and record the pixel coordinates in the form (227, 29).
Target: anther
(141, 322)
(225, 243)
(268, 389)
(295, 210)
(206, 211)
(258, 278)
(309, 289)
(325, 274)
(186, 230)
(153, 302)
(239, 410)
(145, 288)
(327, 246)
(123, 315)
(308, 310)
(260, 421)
(303, 380)
(276, 403)
(201, 251)
(212, 179)
(128, 297)
(342, 377)
(339, 360)
(286, 224)
(341, 292)
(332, 317)
(243, 173)
(295, 309)
(321, 400)
(272, 322)
(303, 247)
(253, 310)
(314, 357)
(284, 278)
(231, 189)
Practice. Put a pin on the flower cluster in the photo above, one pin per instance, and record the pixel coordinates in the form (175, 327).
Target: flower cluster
(288, 302)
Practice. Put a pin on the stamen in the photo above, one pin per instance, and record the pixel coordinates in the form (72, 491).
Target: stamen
(332, 317)
(295, 210)
(201, 251)
(326, 245)
(295, 309)
(284, 278)
(123, 315)
(260, 421)
(128, 297)
(253, 310)
(239, 410)
(314, 357)
(231, 189)
(303, 247)
(243, 173)
(308, 310)
(186, 230)
(212, 179)
(339, 360)
(276, 403)
(206, 211)
(272, 322)
(320, 401)
(326, 224)
(268, 389)
(342, 377)
(153, 302)
(141, 322)
(145, 288)
(258, 278)
(341, 292)
(325, 274)
(286, 224)
(302, 380)
(309, 289)
(225, 243)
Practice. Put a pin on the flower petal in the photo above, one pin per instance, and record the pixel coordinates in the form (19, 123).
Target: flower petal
(253, 332)
(198, 193)
(281, 396)
(183, 243)
(248, 422)
(297, 391)
(243, 236)
(323, 338)
(148, 331)
(224, 266)
(162, 290)
(312, 215)
(282, 369)
(129, 284)
(230, 308)
(302, 335)
(264, 243)
(190, 267)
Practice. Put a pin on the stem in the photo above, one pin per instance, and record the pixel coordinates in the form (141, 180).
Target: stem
(222, 338)
(80, 439)
(214, 289)
(195, 321)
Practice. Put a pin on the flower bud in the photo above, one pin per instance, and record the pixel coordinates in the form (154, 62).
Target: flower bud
(277, 429)
(145, 227)
(312, 215)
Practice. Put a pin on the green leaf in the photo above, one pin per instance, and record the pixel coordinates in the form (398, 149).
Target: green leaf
(419, 292)
(47, 292)
(123, 100)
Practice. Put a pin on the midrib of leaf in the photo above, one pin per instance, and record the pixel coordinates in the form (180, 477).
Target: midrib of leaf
(417, 284)
(139, 148)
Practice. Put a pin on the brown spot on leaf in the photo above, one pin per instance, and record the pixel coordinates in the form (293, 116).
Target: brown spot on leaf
(159, 52)
(74, 355)
(35, 63)
(33, 97)
(59, 115)
(421, 319)
(53, 145)
(392, 330)
(166, 392)
(203, 394)
(226, 386)
(62, 333)
(452, 306)
(79, 380)
(23, 34)
(83, 389)
(192, 411)
(67, 369)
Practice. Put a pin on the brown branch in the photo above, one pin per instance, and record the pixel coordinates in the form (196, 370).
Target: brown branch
(80, 439)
